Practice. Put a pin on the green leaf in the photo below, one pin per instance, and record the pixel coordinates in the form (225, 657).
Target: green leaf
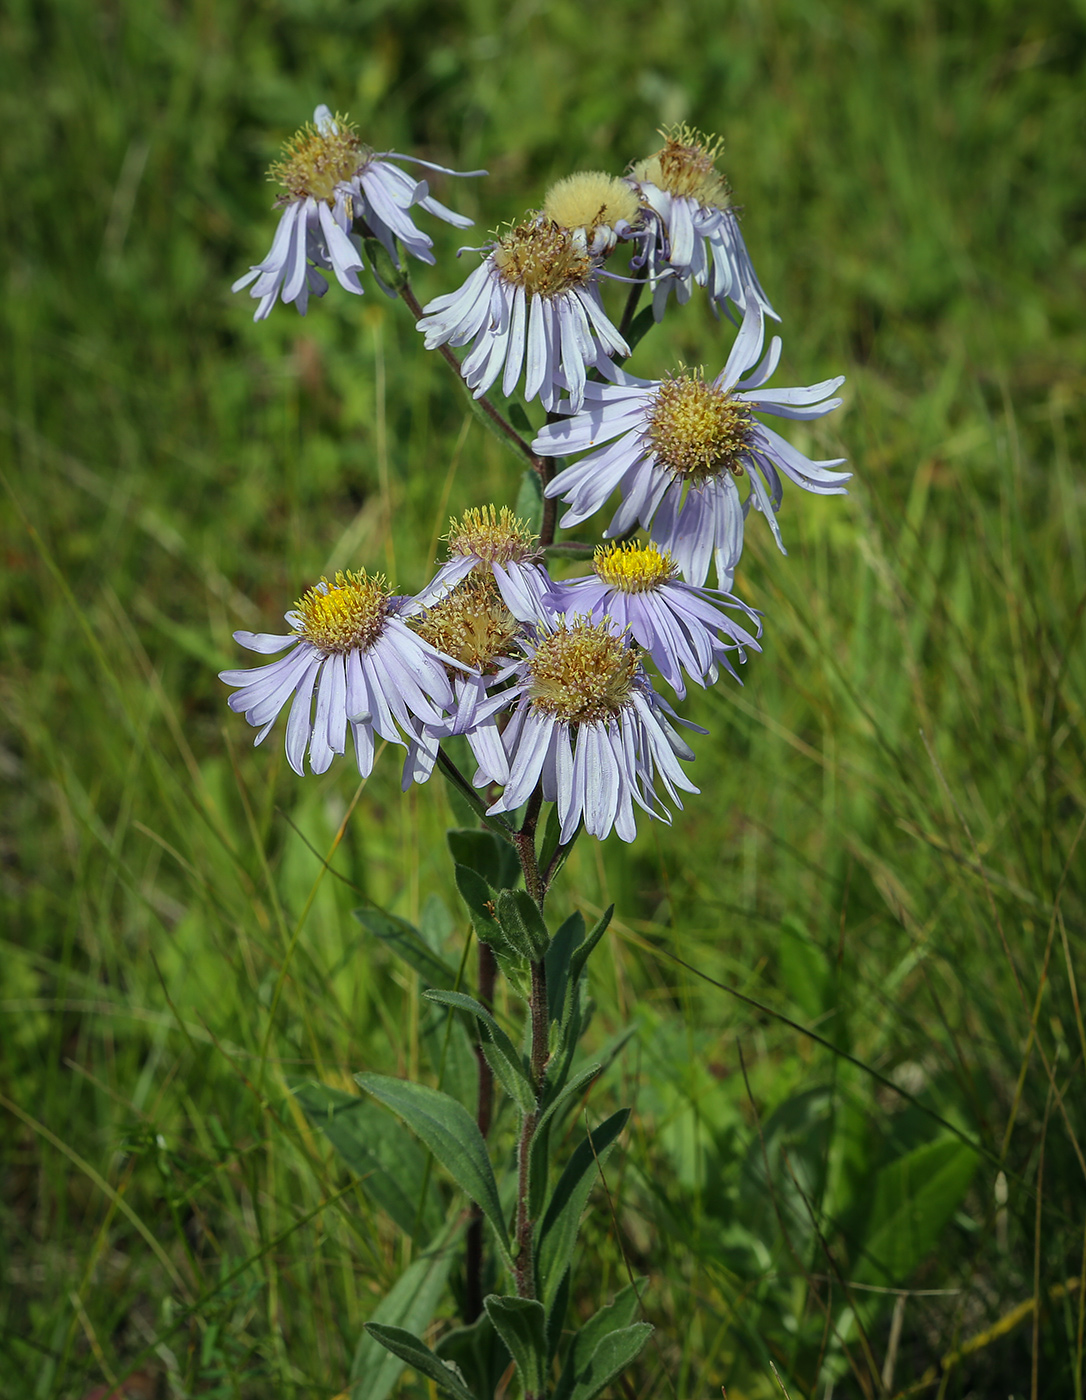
(914, 1198)
(451, 1134)
(581, 956)
(522, 923)
(382, 266)
(479, 1352)
(507, 1063)
(564, 1096)
(552, 832)
(389, 1163)
(804, 970)
(529, 506)
(412, 1303)
(406, 1346)
(521, 1325)
(485, 853)
(407, 943)
(520, 420)
(616, 1316)
(558, 1231)
(559, 955)
(642, 323)
(613, 1354)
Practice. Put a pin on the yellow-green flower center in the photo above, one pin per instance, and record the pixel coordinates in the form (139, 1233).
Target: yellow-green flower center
(316, 160)
(497, 537)
(685, 166)
(472, 624)
(345, 615)
(542, 258)
(590, 200)
(633, 567)
(582, 673)
(698, 430)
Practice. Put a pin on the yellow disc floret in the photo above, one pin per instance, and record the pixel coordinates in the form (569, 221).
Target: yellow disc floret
(697, 429)
(472, 624)
(685, 166)
(496, 537)
(316, 160)
(582, 673)
(633, 567)
(590, 200)
(542, 258)
(345, 615)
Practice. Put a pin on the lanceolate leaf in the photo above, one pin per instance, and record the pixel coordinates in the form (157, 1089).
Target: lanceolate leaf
(558, 1231)
(519, 1322)
(581, 956)
(507, 1063)
(407, 943)
(569, 936)
(418, 1355)
(522, 923)
(613, 1354)
(615, 1317)
(451, 1134)
(411, 1304)
(389, 1163)
(485, 853)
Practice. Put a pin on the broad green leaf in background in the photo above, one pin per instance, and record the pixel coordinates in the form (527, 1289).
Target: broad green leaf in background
(558, 1231)
(407, 943)
(410, 1304)
(408, 1348)
(389, 1163)
(451, 1134)
(479, 1352)
(617, 1316)
(521, 1325)
(914, 1198)
(804, 970)
(485, 853)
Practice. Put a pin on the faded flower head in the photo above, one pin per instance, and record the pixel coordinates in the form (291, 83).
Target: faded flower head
(597, 209)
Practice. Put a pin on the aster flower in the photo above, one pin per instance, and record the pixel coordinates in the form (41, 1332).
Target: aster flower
(495, 542)
(330, 179)
(694, 234)
(681, 446)
(533, 303)
(597, 209)
(471, 624)
(682, 628)
(368, 670)
(589, 727)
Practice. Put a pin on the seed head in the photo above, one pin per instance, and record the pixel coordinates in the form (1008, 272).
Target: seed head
(685, 166)
(317, 159)
(497, 537)
(542, 258)
(582, 672)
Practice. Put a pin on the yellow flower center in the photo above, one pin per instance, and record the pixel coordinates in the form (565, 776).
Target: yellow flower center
(633, 567)
(497, 537)
(582, 673)
(542, 258)
(697, 430)
(346, 615)
(315, 161)
(472, 624)
(590, 199)
(685, 166)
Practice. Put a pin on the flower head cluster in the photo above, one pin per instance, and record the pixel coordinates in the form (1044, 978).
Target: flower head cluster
(532, 305)
(678, 448)
(694, 231)
(330, 181)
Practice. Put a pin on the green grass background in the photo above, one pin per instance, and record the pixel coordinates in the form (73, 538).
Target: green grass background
(886, 846)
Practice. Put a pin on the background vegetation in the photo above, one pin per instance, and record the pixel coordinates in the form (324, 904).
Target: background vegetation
(886, 851)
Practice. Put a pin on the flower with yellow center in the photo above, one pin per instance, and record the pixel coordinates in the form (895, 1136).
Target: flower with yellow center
(683, 628)
(330, 182)
(352, 663)
(589, 729)
(597, 209)
(533, 304)
(492, 536)
(490, 542)
(694, 234)
(676, 449)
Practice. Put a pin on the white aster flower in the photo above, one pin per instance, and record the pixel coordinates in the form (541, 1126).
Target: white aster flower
(694, 234)
(682, 628)
(680, 447)
(588, 726)
(532, 304)
(330, 180)
(368, 670)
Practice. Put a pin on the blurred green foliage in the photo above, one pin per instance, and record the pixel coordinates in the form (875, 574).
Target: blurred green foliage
(886, 848)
